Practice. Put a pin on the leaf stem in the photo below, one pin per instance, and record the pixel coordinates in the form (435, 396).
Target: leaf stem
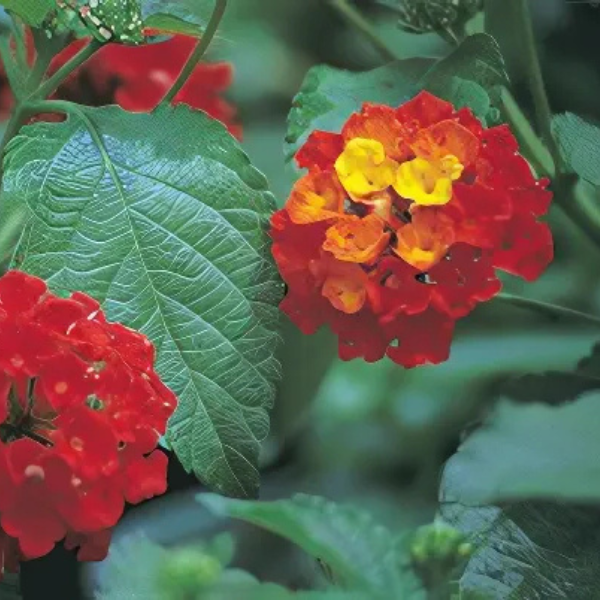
(547, 161)
(543, 113)
(199, 51)
(53, 82)
(20, 43)
(547, 308)
(355, 18)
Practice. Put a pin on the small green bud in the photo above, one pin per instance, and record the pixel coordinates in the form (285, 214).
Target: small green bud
(437, 550)
(188, 571)
(424, 16)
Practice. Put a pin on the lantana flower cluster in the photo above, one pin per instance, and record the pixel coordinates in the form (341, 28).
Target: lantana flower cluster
(137, 78)
(398, 228)
(81, 412)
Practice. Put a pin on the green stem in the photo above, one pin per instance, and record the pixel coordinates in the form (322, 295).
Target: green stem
(355, 18)
(53, 82)
(552, 310)
(28, 106)
(20, 43)
(543, 112)
(199, 51)
(547, 161)
(12, 127)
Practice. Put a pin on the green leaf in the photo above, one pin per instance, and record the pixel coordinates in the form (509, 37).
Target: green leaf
(527, 550)
(361, 554)
(129, 565)
(518, 455)
(186, 17)
(162, 218)
(477, 59)
(470, 76)
(33, 12)
(139, 568)
(463, 93)
(170, 24)
(556, 387)
(329, 96)
(579, 142)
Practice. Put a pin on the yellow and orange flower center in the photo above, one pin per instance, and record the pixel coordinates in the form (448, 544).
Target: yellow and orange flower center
(344, 284)
(363, 167)
(359, 241)
(425, 240)
(376, 206)
(428, 182)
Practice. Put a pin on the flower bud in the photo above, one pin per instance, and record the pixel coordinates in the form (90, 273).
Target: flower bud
(437, 550)
(424, 16)
(188, 571)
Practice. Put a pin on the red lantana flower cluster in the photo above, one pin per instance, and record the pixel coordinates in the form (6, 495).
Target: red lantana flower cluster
(81, 412)
(137, 78)
(398, 227)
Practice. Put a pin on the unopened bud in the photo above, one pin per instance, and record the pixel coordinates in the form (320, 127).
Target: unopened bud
(187, 571)
(424, 16)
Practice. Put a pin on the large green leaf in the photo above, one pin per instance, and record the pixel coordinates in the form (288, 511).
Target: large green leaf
(33, 12)
(361, 554)
(529, 451)
(329, 96)
(527, 550)
(579, 143)
(162, 218)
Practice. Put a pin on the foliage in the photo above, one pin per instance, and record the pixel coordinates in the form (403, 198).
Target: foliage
(123, 192)
(360, 554)
(516, 454)
(134, 222)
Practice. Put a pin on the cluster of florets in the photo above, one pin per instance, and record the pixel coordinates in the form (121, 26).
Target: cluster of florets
(398, 227)
(81, 413)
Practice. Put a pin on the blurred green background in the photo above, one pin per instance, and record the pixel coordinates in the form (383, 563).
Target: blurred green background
(376, 434)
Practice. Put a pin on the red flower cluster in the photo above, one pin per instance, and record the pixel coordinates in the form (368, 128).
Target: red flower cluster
(81, 412)
(396, 230)
(138, 77)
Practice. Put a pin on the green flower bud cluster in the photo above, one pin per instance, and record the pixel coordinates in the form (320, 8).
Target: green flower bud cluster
(437, 551)
(424, 16)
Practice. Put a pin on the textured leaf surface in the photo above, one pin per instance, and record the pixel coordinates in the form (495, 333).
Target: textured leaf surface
(528, 550)
(33, 12)
(477, 59)
(579, 143)
(162, 218)
(360, 553)
(329, 96)
(470, 76)
(517, 454)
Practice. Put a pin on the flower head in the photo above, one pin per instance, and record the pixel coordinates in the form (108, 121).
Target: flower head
(400, 224)
(81, 412)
